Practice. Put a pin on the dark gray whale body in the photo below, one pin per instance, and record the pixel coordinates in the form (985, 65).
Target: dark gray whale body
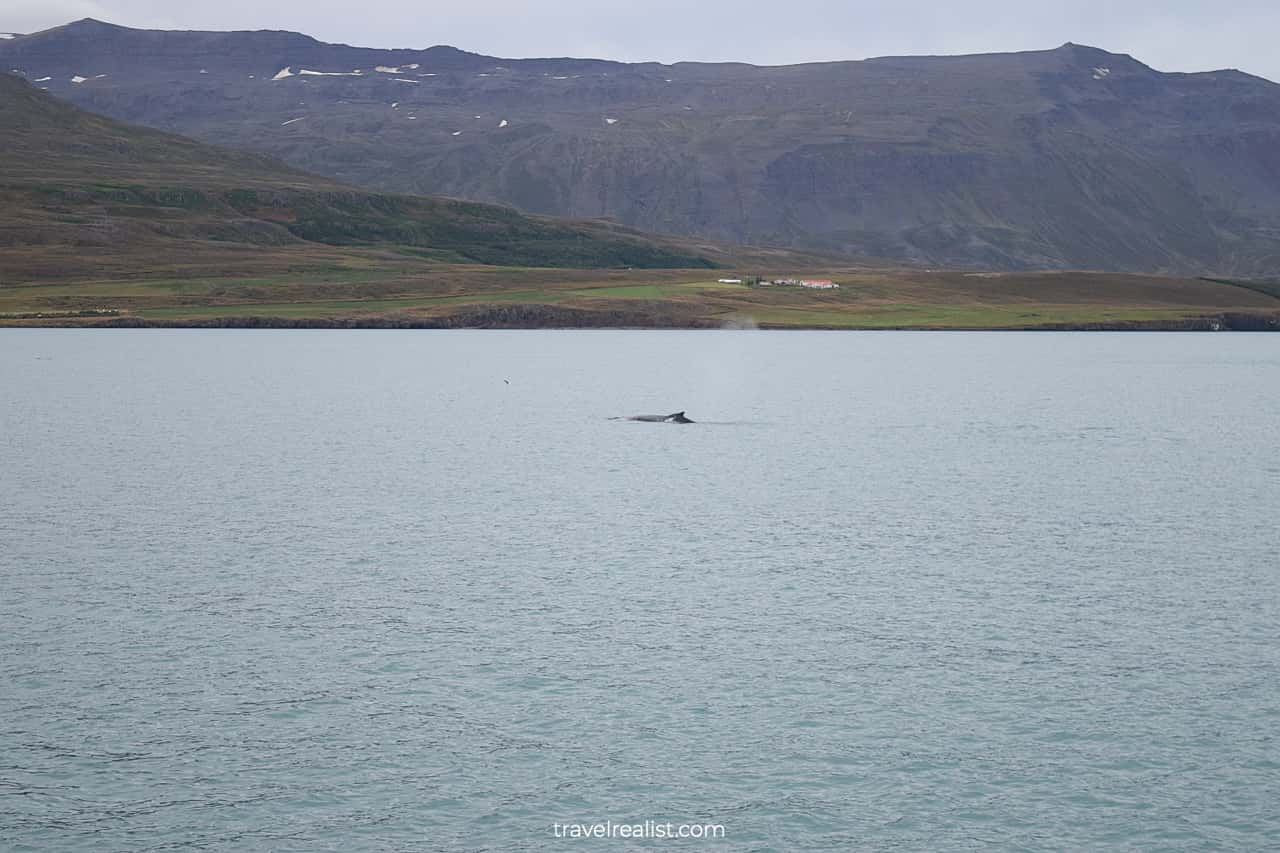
(675, 418)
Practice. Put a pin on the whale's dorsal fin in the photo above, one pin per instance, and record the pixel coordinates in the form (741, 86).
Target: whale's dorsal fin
(676, 415)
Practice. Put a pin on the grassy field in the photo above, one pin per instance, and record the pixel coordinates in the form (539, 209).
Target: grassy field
(379, 287)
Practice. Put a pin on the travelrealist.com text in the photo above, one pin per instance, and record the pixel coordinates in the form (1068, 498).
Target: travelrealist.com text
(644, 829)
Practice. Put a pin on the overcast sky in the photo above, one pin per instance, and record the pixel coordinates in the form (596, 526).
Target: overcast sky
(1171, 35)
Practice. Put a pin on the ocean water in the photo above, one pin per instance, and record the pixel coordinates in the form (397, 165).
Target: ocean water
(367, 591)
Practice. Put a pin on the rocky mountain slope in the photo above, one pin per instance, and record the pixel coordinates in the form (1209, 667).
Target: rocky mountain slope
(76, 187)
(1066, 158)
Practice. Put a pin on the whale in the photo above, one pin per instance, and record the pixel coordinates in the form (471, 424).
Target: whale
(673, 418)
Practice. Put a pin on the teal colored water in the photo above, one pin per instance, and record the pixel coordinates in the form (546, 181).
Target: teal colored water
(354, 591)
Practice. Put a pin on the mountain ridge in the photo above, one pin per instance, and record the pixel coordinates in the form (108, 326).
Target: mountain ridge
(1070, 157)
(96, 27)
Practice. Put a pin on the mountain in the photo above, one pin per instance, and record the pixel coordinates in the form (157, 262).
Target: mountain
(76, 180)
(102, 222)
(1065, 158)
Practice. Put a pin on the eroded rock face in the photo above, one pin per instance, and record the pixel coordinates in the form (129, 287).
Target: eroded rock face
(1068, 158)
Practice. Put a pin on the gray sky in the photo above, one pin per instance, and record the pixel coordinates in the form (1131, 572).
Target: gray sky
(1171, 35)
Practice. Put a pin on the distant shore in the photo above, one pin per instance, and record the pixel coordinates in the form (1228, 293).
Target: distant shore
(553, 317)
(478, 297)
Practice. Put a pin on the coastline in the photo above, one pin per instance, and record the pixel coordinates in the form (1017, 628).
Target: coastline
(550, 317)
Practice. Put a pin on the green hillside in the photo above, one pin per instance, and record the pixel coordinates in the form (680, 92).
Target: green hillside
(69, 178)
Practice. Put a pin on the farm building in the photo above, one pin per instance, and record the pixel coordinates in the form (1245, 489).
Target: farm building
(811, 283)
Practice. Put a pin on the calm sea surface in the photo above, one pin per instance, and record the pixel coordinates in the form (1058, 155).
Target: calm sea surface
(366, 591)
